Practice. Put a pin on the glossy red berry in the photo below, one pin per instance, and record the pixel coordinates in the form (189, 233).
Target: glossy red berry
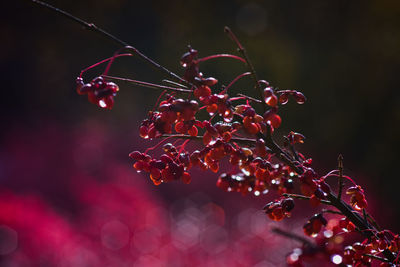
(300, 98)
(283, 98)
(186, 178)
(193, 131)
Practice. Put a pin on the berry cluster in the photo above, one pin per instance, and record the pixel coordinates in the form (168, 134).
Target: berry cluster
(240, 130)
(165, 169)
(357, 199)
(279, 209)
(178, 114)
(99, 91)
(314, 225)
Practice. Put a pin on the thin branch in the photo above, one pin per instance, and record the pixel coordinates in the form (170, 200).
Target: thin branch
(377, 257)
(340, 168)
(373, 222)
(147, 84)
(292, 149)
(174, 83)
(199, 137)
(103, 61)
(365, 216)
(249, 98)
(92, 27)
(219, 56)
(243, 52)
(297, 196)
(233, 81)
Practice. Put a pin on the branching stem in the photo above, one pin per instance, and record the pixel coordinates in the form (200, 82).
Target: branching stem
(103, 61)
(92, 27)
(249, 98)
(340, 168)
(148, 85)
(234, 81)
(297, 196)
(246, 141)
(377, 257)
(219, 56)
(243, 52)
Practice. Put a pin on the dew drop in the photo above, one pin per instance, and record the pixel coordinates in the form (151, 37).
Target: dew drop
(102, 104)
(294, 257)
(245, 172)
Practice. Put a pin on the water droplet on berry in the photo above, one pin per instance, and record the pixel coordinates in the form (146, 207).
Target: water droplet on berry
(102, 104)
(293, 258)
(245, 172)
(271, 101)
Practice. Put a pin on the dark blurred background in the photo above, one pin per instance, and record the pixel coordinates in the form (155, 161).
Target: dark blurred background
(343, 55)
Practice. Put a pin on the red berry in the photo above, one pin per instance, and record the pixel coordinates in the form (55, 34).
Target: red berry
(186, 178)
(155, 174)
(314, 201)
(212, 109)
(210, 81)
(193, 131)
(272, 100)
(207, 137)
(180, 127)
(144, 132)
(136, 155)
(202, 91)
(275, 120)
(283, 98)
(268, 92)
(300, 98)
